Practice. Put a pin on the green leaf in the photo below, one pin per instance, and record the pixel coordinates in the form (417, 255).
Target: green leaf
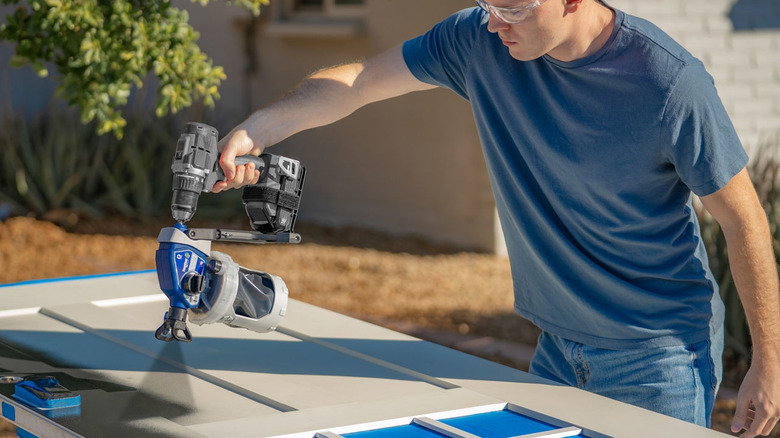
(18, 61)
(100, 50)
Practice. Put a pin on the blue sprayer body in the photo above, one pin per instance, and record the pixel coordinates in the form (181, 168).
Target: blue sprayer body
(180, 272)
(174, 262)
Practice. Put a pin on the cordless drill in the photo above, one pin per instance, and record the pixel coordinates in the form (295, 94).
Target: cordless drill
(209, 283)
(271, 204)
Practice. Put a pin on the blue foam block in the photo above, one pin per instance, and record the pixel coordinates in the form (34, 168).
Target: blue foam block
(45, 393)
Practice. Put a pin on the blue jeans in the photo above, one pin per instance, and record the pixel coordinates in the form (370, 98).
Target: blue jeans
(679, 381)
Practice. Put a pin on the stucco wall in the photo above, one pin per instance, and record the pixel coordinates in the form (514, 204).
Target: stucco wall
(411, 165)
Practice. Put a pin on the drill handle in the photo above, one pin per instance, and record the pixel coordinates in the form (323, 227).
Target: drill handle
(260, 164)
(245, 159)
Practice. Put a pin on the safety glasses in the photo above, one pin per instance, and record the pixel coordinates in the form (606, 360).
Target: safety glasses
(514, 15)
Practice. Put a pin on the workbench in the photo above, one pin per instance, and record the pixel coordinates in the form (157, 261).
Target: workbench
(321, 374)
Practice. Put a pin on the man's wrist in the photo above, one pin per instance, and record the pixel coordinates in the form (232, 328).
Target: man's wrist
(766, 351)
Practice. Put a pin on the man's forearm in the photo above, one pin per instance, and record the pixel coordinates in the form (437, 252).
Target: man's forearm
(744, 223)
(754, 270)
(321, 99)
(332, 94)
(738, 211)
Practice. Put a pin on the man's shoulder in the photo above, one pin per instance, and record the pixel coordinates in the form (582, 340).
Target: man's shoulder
(648, 52)
(465, 22)
(443, 55)
(472, 15)
(655, 41)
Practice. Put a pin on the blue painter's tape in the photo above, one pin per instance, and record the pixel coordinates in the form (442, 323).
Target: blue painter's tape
(405, 431)
(21, 433)
(9, 412)
(79, 277)
(494, 424)
(498, 424)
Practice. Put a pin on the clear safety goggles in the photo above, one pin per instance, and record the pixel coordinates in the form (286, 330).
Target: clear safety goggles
(514, 15)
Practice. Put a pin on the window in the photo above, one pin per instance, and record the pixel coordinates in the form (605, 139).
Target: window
(329, 7)
(324, 8)
(318, 18)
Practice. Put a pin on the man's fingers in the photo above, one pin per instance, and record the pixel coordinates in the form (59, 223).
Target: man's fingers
(754, 428)
(746, 427)
(255, 175)
(244, 175)
(238, 178)
(219, 186)
(756, 425)
(228, 163)
(740, 415)
(765, 417)
(770, 424)
(237, 142)
(251, 174)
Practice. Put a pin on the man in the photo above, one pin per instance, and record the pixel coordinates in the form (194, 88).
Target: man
(596, 127)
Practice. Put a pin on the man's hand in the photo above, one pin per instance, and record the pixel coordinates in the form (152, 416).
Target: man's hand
(237, 142)
(757, 403)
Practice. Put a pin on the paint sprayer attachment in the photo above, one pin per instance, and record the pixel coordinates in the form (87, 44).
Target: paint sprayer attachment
(209, 285)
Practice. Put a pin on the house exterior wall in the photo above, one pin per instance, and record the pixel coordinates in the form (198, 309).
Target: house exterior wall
(413, 165)
(407, 166)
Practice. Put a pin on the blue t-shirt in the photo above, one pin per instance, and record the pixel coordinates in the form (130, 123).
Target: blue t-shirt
(592, 164)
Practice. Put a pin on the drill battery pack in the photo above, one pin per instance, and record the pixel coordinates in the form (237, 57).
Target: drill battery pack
(272, 204)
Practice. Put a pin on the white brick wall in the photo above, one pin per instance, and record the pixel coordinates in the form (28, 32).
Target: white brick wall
(744, 63)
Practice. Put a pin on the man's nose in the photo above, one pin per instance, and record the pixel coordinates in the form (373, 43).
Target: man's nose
(495, 24)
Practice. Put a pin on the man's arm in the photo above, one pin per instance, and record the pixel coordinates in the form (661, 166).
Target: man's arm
(322, 98)
(744, 223)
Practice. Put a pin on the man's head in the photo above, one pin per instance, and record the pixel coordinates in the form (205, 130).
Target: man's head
(563, 29)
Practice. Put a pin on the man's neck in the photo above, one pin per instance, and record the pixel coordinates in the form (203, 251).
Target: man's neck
(592, 26)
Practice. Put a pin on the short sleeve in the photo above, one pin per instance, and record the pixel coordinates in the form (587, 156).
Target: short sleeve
(705, 148)
(442, 55)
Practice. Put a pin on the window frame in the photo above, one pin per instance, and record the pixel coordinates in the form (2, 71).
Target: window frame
(327, 21)
(329, 10)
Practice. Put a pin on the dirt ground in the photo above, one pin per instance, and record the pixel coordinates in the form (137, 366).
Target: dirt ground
(427, 290)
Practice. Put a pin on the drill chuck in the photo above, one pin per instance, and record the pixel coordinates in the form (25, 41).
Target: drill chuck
(186, 189)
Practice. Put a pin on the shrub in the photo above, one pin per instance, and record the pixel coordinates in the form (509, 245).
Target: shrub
(101, 50)
(55, 163)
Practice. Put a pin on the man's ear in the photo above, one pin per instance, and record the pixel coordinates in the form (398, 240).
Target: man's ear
(572, 5)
